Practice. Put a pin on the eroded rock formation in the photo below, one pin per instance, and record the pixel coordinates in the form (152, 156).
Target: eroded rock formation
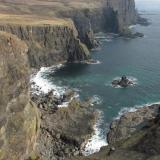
(31, 39)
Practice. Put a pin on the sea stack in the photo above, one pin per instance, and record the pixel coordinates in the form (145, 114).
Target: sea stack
(123, 82)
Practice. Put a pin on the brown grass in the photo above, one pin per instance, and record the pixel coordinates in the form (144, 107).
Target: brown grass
(31, 20)
(42, 11)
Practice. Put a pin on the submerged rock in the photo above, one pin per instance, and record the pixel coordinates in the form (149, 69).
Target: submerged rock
(123, 82)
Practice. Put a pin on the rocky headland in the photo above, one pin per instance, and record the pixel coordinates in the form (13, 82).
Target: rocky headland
(63, 131)
(135, 135)
(35, 34)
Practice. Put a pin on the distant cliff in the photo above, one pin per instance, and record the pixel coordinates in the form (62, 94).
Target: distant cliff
(89, 16)
(112, 16)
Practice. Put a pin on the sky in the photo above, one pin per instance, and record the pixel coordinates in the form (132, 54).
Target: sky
(148, 4)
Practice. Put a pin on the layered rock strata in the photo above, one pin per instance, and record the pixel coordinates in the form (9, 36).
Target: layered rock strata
(49, 44)
(88, 16)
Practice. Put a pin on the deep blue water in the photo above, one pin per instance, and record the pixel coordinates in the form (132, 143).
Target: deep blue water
(138, 58)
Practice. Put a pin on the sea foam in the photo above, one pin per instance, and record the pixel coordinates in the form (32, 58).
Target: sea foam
(134, 109)
(42, 85)
(132, 79)
(98, 139)
(96, 100)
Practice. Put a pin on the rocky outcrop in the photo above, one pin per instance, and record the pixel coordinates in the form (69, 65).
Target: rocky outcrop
(123, 82)
(143, 21)
(135, 136)
(49, 44)
(131, 122)
(18, 115)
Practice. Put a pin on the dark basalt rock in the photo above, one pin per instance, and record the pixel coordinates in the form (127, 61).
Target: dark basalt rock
(142, 21)
(123, 82)
(131, 122)
(129, 33)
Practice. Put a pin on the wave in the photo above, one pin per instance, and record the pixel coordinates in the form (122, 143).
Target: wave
(98, 140)
(96, 100)
(134, 109)
(65, 104)
(96, 49)
(107, 40)
(103, 37)
(41, 85)
(94, 62)
(91, 61)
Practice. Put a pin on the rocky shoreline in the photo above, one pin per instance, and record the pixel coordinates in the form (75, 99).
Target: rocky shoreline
(64, 130)
(131, 122)
(46, 34)
(135, 135)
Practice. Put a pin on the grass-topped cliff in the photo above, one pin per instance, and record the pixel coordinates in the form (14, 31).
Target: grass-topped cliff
(18, 115)
(89, 16)
(36, 33)
(49, 40)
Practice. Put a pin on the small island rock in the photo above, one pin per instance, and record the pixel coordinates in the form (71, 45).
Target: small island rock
(123, 82)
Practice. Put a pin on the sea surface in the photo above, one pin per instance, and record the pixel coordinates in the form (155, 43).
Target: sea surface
(139, 59)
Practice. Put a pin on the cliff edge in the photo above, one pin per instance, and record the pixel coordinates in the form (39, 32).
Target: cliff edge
(18, 115)
(38, 33)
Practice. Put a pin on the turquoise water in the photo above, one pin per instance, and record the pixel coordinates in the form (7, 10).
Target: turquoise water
(138, 58)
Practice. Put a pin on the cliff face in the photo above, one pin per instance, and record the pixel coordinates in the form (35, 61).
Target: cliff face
(18, 116)
(25, 43)
(125, 11)
(111, 16)
(89, 16)
(49, 44)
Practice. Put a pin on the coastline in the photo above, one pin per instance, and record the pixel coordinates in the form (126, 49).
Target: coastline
(42, 87)
(97, 141)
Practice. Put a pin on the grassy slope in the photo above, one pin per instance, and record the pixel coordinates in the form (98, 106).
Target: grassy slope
(33, 11)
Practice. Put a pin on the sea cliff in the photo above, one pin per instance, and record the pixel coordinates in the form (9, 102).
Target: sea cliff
(18, 114)
(39, 33)
(48, 43)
